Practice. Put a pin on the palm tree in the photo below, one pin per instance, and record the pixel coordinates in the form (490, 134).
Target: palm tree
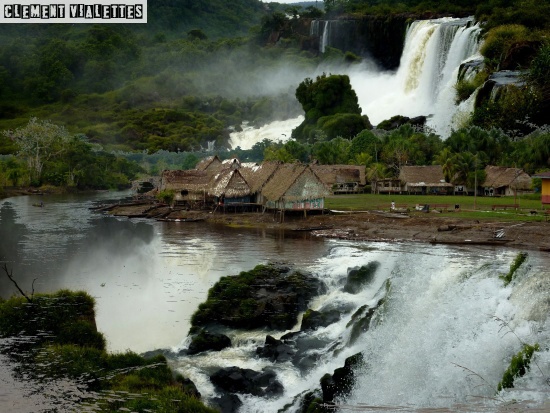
(375, 173)
(445, 158)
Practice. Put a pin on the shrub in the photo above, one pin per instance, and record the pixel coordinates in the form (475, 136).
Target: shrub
(520, 259)
(518, 366)
(499, 41)
(166, 196)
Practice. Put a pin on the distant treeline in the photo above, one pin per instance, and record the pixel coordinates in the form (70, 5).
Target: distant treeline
(199, 68)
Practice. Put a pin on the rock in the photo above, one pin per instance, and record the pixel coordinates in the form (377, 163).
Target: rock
(359, 277)
(312, 319)
(205, 341)
(360, 321)
(520, 55)
(269, 296)
(166, 352)
(275, 350)
(188, 386)
(342, 381)
(247, 381)
(313, 403)
(228, 403)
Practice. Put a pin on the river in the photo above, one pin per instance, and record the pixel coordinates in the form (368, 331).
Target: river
(448, 315)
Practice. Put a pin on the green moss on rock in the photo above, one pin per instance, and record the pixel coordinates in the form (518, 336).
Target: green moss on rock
(63, 342)
(267, 296)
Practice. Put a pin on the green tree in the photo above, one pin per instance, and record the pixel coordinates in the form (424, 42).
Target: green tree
(333, 152)
(38, 142)
(329, 103)
(375, 173)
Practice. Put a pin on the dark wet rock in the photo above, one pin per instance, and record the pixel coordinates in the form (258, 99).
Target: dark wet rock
(269, 296)
(341, 382)
(359, 277)
(494, 88)
(166, 352)
(228, 403)
(306, 361)
(307, 349)
(189, 387)
(205, 341)
(469, 68)
(312, 320)
(360, 322)
(520, 55)
(247, 381)
(312, 402)
(276, 350)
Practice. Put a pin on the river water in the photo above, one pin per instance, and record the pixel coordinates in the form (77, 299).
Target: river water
(444, 339)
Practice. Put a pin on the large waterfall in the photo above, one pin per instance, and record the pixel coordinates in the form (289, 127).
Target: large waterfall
(424, 83)
(442, 339)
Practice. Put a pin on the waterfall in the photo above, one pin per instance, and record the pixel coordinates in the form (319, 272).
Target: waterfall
(424, 82)
(277, 131)
(323, 34)
(325, 38)
(446, 314)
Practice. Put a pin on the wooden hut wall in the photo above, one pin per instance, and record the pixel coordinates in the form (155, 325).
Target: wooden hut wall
(307, 192)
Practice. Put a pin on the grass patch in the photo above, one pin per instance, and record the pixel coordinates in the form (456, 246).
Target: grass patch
(62, 341)
(482, 211)
(518, 366)
(519, 260)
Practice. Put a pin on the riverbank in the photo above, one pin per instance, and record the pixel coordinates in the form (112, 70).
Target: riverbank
(373, 225)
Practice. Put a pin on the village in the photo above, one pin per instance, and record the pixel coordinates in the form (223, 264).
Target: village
(272, 185)
(295, 197)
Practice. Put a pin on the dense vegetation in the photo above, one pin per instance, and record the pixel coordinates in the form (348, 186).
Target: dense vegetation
(55, 337)
(167, 93)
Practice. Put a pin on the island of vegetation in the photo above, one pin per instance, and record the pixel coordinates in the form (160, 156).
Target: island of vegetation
(54, 337)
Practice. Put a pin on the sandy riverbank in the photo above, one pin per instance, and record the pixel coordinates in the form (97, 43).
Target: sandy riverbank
(371, 225)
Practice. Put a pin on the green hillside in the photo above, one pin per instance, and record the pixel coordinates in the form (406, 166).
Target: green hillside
(198, 69)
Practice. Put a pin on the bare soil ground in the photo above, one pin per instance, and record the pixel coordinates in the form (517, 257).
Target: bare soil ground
(370, 225)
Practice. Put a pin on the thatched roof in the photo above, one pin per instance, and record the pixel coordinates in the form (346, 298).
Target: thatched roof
(208, 163)
(258, 175)
(501, 176)
(191, 180)
(337, 174)
(294, 182)
(231, 163)
(229, 183)
(429, 176)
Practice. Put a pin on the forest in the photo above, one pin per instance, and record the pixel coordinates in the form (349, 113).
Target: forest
(137, 99)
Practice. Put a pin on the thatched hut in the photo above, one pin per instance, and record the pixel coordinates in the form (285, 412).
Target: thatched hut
(424, 180)
(341, 178)
(257, 177)
(209, 164)
(295, 187)
(229, 187)
(501, 180)
(190, 187)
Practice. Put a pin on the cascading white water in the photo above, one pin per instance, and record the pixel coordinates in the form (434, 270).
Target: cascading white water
(439, 341)
(279, 130)
(323, 34)
(325, 38)
(424, 83)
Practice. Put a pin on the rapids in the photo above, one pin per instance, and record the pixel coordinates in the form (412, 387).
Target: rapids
(442, 339)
